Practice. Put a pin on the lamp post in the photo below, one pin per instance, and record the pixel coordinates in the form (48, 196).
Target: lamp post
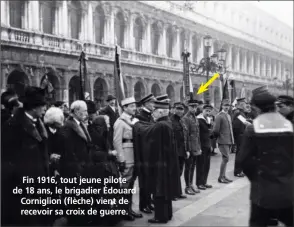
(214, 63)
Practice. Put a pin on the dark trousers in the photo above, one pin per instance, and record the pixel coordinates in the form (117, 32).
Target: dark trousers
(191, 165)
(203, 166)
(145, 198)
(187, 163)
(163, 210)
(260, 216)
(237, 167)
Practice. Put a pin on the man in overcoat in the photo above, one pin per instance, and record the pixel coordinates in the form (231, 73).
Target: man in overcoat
(239, 123)
(266, 156)
(123, 144)
(194, 146)
(112, 112)
(24, 153)
(203, 160)
(223, 131)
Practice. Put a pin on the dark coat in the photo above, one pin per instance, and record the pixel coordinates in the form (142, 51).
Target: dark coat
(180, 135)
(193, 137)
(74, 150)
(290, 117)
(113, 116)
(223, 129)
(24, 153)
(266, 157)
(53, 148)
(205, 132)
(238, 126)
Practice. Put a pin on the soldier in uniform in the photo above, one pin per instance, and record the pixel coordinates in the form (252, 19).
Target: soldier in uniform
(144, 114)
(239, 124)
(123, 144)
(223, 131)
(285, 106)
(266, 156)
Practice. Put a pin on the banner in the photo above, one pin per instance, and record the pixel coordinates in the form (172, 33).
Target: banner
(118, 79)
(186, 77)
(225, 94)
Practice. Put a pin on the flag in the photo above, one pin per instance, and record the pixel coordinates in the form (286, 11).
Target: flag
(82, 77)
(243, 92)
(191, 88)
(225, 94)
(118, 79)
(233, 90)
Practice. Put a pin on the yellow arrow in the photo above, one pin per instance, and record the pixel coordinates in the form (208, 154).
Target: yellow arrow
(204, 87)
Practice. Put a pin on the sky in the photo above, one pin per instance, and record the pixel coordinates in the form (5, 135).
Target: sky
(282, 10)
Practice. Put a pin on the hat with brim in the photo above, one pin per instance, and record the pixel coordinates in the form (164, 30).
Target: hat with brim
(207, 106)
(34, 97)
(179, 105)
(192, 103)
(91, 106)
(226, 102)
(285, 99)
(128, 101)
(110, 97)
(263, 99)
(148, 98)
(161, 105)
(162, 97)
(241, 100)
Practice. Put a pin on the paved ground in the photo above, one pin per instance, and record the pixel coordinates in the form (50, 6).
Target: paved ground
(223, 205)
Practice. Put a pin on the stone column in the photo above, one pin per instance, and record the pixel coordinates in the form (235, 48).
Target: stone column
(268, 69)
(257, 70)
(245, 61)
(190, 46)
(163, 41)
(4, 13)
(251, 63)
(200, 48)
(65, 20)
(90, 22)
(148, 36)
(131, 33)
(237, 62)
(229, 58)
(283, 71)
(35, 15)
(111, 28)
(127, 30)
(176, 49)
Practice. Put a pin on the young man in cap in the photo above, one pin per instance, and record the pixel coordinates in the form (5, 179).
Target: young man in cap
(180, 136)
(123, 144)
(223, 131)
(163, 160)
(199, 107)
(285, 106)
(239, 123)
(145, 113)
(203, 160)
(194, 146)
(266, 156)
(111, 111)
(24, 153)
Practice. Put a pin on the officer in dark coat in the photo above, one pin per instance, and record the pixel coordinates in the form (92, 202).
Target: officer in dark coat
(180, 137)
(285, 106)
(10, 103)
(203, 160)
(144, 114)
(266, 156)
(111, 111)
(24, 153)
(239, 124)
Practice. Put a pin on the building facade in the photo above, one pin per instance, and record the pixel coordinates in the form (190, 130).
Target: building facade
(46, 38)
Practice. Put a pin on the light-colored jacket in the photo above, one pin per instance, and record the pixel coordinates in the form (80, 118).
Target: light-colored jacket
(222, 129)
(123, 130)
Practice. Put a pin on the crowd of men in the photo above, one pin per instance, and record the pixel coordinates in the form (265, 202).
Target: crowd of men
(153, 142)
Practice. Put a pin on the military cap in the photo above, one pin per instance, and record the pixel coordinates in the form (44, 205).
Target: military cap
(285, 99)
(161, 105)
(192, 102)
(207, 106)
(226, 102)
(91, 107)
(263, 98)
(128, 101)
(259, 90)
(110, 97)
(241, 99)
(200, 102)
(147, 98)
(179, 104)
(162, 97)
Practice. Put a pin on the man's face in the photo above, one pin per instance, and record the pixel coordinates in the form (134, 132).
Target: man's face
(179, 111)
(112, 103)
(284, 109)
(206, 112)
(131, 109)
(200, 107)
(193, 109)
(39, 111)
(82, 113)
(248, 108)
(226, 107)
(242, 105)
(149, 106)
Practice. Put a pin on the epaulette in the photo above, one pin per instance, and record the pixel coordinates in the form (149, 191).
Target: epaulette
(272, 123)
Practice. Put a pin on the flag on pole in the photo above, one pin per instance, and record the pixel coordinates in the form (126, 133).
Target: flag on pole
(225, 94)
(243, 92)
(233, 90)
(118, 79)
(190, 87)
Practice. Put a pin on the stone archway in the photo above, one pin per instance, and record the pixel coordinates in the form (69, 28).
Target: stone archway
(55, 94)
(18, 81)
(74, 89)
(155, 90)
(139, 91)
(170, 91)
(100, 91)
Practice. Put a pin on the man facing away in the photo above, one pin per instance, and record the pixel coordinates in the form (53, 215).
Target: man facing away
(123, 144)
(223, 131)
(203, 160)
(266, 156)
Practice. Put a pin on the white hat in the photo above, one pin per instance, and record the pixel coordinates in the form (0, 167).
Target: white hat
(128, 101)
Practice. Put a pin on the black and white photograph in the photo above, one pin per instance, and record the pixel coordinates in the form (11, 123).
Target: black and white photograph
(147, 113)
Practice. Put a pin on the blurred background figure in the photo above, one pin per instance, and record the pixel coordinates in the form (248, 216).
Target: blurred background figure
(10, 103)
(64, 107)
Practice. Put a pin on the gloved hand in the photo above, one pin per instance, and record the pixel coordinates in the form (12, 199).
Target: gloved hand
(121, 166)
